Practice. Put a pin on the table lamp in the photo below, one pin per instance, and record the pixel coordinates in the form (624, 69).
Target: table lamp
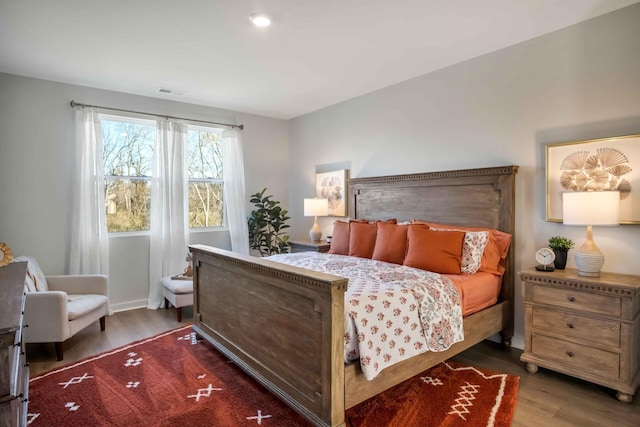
(315, 208)
(590, 208)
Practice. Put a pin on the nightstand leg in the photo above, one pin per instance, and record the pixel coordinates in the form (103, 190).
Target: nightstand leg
(531, 368)
(624, 397)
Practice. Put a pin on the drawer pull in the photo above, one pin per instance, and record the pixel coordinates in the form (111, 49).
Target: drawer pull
(571, 299)
(570, 353)
(570, 325)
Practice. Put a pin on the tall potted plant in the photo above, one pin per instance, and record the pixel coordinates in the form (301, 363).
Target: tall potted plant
(560, 246)
(266, 223)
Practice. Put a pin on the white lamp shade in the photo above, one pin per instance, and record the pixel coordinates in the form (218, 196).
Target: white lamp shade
(591, 208)
(316, 207)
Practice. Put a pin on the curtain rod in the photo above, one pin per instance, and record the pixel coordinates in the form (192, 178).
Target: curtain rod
(77, 104)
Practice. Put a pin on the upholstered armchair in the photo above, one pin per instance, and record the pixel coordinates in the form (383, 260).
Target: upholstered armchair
(57, 307)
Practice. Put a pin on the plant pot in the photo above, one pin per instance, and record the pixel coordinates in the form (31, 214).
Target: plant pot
(561, 259)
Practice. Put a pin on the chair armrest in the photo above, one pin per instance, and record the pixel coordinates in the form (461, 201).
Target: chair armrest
(80, 284)
(45, 314)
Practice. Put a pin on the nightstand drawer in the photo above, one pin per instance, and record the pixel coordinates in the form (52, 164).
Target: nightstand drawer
(582, 328)
(582, 357)
(576, 300)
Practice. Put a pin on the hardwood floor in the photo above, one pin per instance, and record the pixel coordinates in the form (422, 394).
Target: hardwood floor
(545, 399)
(121, 328)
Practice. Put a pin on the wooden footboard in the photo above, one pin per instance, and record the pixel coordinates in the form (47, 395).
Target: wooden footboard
(283, 325)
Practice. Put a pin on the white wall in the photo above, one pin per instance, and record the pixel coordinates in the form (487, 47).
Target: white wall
(37, 143)
(502, 108)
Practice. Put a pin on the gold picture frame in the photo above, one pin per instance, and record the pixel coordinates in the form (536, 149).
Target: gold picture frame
(6, 256)
(598, 164)
(332, 186)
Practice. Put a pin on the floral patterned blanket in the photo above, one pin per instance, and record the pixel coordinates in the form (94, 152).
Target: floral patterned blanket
(392, 312)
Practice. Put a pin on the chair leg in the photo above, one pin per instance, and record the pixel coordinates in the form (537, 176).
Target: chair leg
(59, 353)
(103, 323)
(179, 313)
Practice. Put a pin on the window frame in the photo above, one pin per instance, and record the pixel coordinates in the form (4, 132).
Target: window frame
(134, 119)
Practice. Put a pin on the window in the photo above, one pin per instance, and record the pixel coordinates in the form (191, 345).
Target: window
(128, 162)
(204, 165)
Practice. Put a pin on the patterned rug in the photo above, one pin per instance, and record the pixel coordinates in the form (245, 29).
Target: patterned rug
(173, 379)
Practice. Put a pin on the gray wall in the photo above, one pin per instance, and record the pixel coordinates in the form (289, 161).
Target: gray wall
(502, 108)
(37, 146)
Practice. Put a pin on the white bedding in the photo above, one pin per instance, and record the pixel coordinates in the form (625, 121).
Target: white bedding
(392, 312)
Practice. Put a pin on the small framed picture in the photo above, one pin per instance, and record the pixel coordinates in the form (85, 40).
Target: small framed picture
(608, 164)
(333, 187)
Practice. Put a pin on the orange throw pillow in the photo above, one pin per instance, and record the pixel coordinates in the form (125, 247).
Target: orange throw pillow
(437, 251)
(340, 238)
(362, 239)
(495, 253)
(391, 243)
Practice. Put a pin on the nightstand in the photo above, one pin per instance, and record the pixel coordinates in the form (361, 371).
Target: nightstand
(586, 327)
(307, 245)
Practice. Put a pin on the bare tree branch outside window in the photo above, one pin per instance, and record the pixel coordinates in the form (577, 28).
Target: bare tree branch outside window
(128, 160)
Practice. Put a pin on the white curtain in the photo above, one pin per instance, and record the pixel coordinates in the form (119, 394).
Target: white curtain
(89, 252)
(168, 216)
(233, 174)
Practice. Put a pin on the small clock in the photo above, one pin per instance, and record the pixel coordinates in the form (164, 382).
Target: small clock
(545, 256)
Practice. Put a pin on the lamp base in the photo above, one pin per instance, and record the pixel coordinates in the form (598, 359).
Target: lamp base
(589, 263)
(315, 236)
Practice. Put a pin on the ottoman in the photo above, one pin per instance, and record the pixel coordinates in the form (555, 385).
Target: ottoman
(178, 292)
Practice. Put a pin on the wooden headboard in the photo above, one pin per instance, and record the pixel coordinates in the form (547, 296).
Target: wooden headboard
(482, 197)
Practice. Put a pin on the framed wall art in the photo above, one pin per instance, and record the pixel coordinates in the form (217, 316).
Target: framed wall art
(598, 164)
(333, 186)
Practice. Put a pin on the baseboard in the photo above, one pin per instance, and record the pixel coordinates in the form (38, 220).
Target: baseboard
(517, 342)
(129, 305)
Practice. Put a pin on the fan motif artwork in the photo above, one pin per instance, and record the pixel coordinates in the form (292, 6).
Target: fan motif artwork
(602, 171)
(595, 165)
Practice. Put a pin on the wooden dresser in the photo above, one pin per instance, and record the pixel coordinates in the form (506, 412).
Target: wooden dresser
(587, 327)
(14, 373)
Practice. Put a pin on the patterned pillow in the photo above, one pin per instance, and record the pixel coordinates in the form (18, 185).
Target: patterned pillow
(472, 249)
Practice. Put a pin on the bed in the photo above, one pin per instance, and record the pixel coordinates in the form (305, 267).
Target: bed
(284, 325)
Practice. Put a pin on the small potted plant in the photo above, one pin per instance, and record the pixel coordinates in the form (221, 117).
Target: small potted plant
(560, 246)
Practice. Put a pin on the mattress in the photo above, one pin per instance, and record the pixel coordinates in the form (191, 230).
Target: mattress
(477, 291)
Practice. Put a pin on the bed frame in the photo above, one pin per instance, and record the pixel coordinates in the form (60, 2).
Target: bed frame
(284, 325)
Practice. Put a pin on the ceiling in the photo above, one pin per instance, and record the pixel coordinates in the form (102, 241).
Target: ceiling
(315, 54)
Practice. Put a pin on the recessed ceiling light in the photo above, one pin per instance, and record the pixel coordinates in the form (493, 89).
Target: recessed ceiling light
(260, 20)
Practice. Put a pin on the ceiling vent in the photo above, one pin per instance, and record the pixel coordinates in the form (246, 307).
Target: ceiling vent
(171, 91)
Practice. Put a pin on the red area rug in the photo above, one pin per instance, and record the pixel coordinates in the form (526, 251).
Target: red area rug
(175, 380)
